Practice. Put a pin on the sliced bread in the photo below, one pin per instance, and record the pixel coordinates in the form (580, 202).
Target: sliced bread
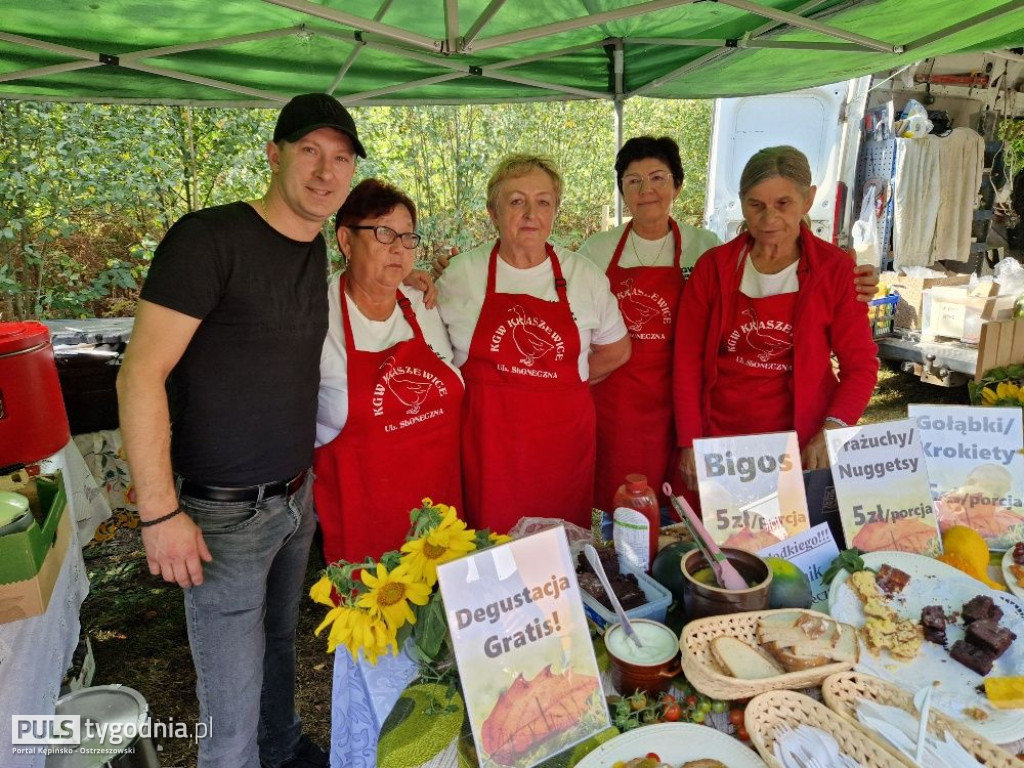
(742, 660)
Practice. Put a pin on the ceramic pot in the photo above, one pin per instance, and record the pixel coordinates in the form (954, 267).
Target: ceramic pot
(703, 600)
(649, 669)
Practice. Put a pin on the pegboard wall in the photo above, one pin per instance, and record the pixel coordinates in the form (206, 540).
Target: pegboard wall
(877, 159)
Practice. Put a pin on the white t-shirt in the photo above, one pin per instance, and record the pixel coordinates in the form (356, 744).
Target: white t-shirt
(757, 285)
(370, 336)
(464, 283)
(600, 247)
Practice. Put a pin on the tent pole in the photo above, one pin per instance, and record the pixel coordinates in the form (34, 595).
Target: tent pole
(619, 65)
(619, 110)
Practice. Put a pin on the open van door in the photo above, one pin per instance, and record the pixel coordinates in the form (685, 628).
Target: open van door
(823, 123)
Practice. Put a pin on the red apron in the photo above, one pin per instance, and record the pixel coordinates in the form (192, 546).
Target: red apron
(754, 388)
(528, 419)
(635, 422)
(400, 443)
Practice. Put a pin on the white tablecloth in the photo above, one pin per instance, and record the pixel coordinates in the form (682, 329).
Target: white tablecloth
(36, 652)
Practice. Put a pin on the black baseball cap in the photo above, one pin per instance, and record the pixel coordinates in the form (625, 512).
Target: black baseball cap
(309, 111)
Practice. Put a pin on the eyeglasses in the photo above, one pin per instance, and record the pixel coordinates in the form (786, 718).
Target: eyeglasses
(386, 235)
(657, 180)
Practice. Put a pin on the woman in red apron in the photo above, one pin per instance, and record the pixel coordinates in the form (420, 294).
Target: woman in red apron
(390, 402)
(520, 316)
(766, 313)
(645, 261)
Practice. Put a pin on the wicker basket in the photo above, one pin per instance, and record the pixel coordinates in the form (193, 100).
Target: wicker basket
(703, 672)
(769, 712)
(843, 690)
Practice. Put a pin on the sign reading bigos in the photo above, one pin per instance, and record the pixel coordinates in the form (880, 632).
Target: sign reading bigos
(46, 729)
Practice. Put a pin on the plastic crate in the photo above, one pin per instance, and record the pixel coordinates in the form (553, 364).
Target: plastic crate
(656, 607)
(882, 312)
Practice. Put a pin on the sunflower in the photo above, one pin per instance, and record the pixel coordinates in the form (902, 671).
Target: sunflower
(498, 538)
(449, 541)
(390, 594)
(321, 592)
(358, 631)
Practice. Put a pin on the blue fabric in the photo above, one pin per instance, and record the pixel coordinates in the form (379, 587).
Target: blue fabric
(363, 696)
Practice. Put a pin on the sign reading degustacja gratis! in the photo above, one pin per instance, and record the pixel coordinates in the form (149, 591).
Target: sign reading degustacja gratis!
(882, 487)
(751, 489)
(976, 468)
(529, 677)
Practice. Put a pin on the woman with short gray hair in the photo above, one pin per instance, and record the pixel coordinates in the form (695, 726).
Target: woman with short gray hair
(766, 312)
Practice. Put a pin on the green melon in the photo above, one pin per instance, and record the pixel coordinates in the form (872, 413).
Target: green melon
(790, 586)
(666, 569)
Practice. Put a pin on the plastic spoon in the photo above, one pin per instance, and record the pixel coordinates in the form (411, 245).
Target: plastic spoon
(725, 572)
(595, 563)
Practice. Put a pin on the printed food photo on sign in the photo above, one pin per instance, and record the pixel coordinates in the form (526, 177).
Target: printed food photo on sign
(530, 678)
(976, 468)
(751, 489)
(882, 486)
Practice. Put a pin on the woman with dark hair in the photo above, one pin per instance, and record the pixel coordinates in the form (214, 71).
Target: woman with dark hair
(390, 399)
(645, 260)
(767, 312)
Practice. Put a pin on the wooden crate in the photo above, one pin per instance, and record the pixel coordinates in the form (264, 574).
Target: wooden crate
(1001, 344)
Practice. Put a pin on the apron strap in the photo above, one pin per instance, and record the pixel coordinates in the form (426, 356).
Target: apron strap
(556, 269)
(403, 302)
(677, 244)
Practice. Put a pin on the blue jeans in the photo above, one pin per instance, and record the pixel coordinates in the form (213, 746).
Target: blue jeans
(241, 626)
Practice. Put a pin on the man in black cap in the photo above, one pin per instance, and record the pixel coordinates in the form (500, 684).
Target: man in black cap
(226, 349)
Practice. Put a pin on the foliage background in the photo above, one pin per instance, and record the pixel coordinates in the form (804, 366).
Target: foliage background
(87, 190)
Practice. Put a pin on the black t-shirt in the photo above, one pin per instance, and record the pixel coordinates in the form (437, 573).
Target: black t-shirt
(243, 397)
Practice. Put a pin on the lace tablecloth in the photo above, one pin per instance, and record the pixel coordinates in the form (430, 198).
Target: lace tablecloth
(36, 652)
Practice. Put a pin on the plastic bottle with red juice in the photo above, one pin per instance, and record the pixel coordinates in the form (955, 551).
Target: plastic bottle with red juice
(636, 494)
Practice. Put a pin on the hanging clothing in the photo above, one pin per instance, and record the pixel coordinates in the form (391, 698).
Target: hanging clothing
(916, 201)
(528, 419)
(961, 164)
(635, 425)
(400, 443)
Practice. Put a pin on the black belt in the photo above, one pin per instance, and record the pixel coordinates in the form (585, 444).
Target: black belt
(245, 493)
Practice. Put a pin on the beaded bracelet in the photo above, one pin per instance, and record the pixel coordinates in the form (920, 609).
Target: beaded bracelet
(168, 516)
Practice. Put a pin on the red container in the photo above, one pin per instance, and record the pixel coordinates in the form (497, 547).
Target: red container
(33, 422)
(636, 494)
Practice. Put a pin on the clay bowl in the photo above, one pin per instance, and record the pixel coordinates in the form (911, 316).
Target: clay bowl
(704, 600)
(649, 669)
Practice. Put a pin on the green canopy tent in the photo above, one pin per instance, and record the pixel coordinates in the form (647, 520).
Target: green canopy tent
(260, 52)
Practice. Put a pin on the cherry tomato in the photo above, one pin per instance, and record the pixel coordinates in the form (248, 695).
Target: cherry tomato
(698, 717)
(704, 706)
(719, 706)
(653, 756)
(736, 717)
(638, 701)
(672, 712)
(667, 699)
(691, 701)
(741, 733)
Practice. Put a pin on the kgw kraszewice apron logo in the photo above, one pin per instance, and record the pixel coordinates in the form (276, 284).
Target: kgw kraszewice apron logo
(532, 337)
(638, 307)
(767, 338)
(410, 386)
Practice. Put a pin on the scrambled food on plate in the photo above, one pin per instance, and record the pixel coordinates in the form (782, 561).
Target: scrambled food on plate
(1017, 566)
(884, 628)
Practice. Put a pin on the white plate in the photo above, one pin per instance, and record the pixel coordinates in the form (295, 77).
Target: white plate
(1009, 578)
(674, 743)
(935, 583)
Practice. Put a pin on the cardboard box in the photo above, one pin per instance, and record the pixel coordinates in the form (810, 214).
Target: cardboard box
(30, 560)
(952, 312)
(909, 310)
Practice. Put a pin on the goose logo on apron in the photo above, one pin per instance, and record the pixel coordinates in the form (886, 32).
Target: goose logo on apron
(532, 338)
(763, 339)
(411, 387)
(639, 307)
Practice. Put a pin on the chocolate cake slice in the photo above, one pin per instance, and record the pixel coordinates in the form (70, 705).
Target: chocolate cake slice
(981, 607)
(989, 636)
(891, 580)
(933, 620)
(972, 657)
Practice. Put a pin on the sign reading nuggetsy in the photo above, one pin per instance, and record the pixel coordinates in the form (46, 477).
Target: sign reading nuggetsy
(882, 487)
(529, 676)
